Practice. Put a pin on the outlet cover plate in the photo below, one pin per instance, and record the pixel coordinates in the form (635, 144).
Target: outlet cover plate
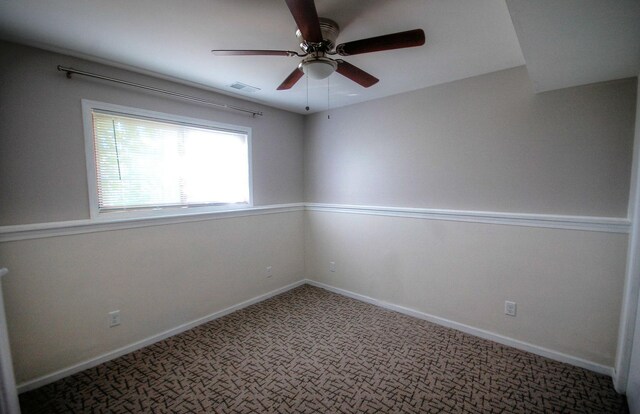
(510, 308)
(114, 318)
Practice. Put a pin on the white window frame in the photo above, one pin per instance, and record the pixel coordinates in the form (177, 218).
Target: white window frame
(87, 114)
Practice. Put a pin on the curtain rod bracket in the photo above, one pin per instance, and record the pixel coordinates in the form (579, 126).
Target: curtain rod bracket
(71, 71)
(60, 68)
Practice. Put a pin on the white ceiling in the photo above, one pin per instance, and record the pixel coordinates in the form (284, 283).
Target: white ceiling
(566, 42)
(576, 42)
(173, 38)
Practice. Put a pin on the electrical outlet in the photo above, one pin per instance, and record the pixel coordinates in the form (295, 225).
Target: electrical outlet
(332, 267)
(269, 272)
(510, 308)
(114, 318)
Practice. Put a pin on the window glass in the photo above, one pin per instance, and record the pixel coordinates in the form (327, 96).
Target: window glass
(143, 163)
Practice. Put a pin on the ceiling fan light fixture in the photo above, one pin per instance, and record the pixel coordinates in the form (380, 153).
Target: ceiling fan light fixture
(317, 38)
(318, 68)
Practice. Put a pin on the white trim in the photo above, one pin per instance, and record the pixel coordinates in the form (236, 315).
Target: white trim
(88, 106)
(545, 352)
(586, 223)
(65, 228)
(89, 154)
(491, 336)
(8, 396)
(65, 372)
(249, 133)
(629, 309)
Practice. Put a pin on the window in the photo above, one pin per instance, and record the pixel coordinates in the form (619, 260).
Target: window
(142, 163)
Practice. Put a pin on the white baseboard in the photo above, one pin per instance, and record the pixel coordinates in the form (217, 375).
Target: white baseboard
(514, 343)
(65, 372)
(558, 356)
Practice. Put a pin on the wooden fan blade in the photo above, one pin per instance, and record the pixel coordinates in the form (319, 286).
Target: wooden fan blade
(356, 74)
(291, 79)
(398, 40)
(253, 53)
(306, 17)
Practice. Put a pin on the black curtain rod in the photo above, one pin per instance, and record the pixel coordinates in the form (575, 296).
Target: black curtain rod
(71, 71)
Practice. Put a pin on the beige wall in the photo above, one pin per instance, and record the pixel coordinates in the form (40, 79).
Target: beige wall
(60, 289)
(567, 284)
(480, 144)
(485, 143)
(42, 161)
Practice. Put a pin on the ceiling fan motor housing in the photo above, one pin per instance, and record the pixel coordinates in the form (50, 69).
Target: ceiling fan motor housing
(330, 31)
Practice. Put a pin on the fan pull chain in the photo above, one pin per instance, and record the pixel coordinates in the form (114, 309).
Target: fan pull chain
(307, 78)
(328, 97)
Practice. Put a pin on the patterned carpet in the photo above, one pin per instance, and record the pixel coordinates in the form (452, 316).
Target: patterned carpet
(312, 351)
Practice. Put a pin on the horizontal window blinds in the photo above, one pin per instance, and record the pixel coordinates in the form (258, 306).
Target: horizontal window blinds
(144, 163)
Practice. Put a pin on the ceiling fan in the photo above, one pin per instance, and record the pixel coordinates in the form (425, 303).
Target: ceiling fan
(317, 40)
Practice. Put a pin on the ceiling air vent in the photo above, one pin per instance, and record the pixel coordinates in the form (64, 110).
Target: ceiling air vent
(244, 87)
